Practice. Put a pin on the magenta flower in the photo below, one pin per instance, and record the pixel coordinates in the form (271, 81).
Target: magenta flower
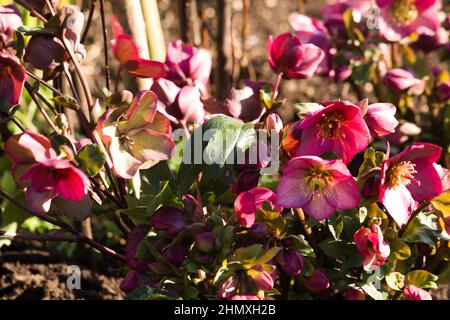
(287, 55)
(12, 78)
(372, 247)
(400, 18)
(413, 293)
(317, 186)
(137, 136)
(262, 280)
(401, 79)
(127, 53)
(380, 118)
(245, 297)
(409, 177)
(188, 65)
(10, 20)
(318, 281)
(248, 202)
(311, 30)
(52, 178)
(339, 127)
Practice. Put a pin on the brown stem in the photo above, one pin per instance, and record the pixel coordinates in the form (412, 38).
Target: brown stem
(41, 108)
(66, 227)
(50, 7)
(276, 86)
(105, 46)
(89, 20)
(35, 77)
(29, 7)
(183, 6)
(39, 237)
(13, 119)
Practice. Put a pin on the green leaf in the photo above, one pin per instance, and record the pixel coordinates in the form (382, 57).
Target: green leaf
(30, 31)
(304, 108)
(336, 225)
(422, 279)
(395, 280)
(444, 276)
(442, 203)
(373, 292)
(91, 159)
(67, 102)
(399, 249)
(337, 248)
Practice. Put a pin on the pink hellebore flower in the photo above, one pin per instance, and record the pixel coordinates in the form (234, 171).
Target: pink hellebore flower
(287, 55)
(51, 178)
(413, 293)
(12, 78)
(380, 118)
(245, 297)
(248, 202)
(137, 136)
(339, 127)
(311, 30)
(188, 65)
(10, 20)
(263, 280)
(372, 247)
(401, 18)
(273, 122)
(318, 281)
(401, 79)
(408, 177)
(127, 53)
(317, 186)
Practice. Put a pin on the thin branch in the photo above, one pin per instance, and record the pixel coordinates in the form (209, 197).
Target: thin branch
(13, 119)
(35, 77)
(50, 7)
(41, 108)
(89, 20)
(39, 237)
(105, 46)
(30, 8)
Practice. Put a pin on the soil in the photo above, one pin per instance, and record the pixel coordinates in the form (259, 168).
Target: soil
(30, 271)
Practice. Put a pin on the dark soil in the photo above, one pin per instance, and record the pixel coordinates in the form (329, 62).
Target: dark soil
(30, 271)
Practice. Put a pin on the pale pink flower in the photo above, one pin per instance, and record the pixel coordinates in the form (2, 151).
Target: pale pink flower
(401, 79)
(380, 118)
(10, 20)
(318, 186)
(413, 293)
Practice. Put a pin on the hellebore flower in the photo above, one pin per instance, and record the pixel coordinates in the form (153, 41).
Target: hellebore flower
(401, 79)
(248, 202)
(246, 180)
(51, 178)
(228, 288)
(401, 18)
(287, 55)
(317, 186)
(339, 127)
(188, 65)
(354, 294)
(10, 20)
(413, 293)
(318, 281)
(137, 136)
(380, 118)
(176, 253)
(408, 177)
(245, 297)
(179, 104)
(372, 247)
(273, 122)
(168, 219)
(290, 261)
(127, 53)
(12, 78)
(311, 30)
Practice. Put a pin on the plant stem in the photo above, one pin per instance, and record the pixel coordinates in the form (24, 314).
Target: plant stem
(13, 119)
(29, 7)
(50, 7)
(29, 236)
(277, 85)
(41, 108)
(89, 20)
(105, 46)
(66, 227)
(413, 216)
(35, 77)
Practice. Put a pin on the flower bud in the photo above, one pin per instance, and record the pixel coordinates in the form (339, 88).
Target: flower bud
(205, 241)
(274, 122)
(354, 294)
(318, 281)
(380, 118)
(401, 79)
(227, 288)
(263, 280)
(290, 262)
(168, 219)
(246, 180)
